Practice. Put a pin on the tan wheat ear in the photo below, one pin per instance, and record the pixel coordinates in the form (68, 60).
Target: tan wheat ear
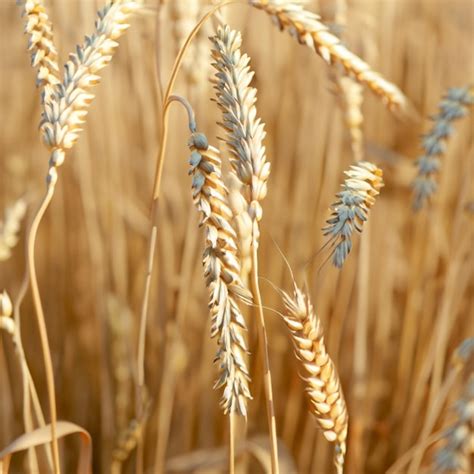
(307, 28)
(319, 372)
(10, 227)
(44, 56)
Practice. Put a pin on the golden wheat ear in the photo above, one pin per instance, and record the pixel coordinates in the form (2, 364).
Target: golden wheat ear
(319, 372)
(221, 268)
(350, 211)
(308, 29)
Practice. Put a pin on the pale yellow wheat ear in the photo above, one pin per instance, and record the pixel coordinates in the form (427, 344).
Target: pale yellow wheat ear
(10, 227)
(308, 29)
(44, 56)
(65, 114)
(6, 309)
(319, 373)
(359, 190)
(222, 273)
(244, 134)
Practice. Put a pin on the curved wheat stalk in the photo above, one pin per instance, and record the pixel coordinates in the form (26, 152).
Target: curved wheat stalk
(307, 28)
(452, 107)
(319, 372)
(350, 211)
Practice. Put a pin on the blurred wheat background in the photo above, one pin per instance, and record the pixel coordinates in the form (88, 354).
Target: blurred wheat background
(391, 324)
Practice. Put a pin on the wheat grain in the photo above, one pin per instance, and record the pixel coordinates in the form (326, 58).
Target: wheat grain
(6, 309)
(319, 372)
(44, 57)
(307, 28)
(222, 273)
(10, 227)
(350, 211)
(452, 107)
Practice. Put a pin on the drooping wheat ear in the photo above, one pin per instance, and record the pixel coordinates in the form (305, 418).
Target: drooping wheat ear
(319, 372)
(6, 309)
(352, 97)
(452, 107)
(244, 131)
(350, 211)
(307, 28)
(10, 226)
(44, 56)
(65, 113)
(222, 273)
(455, 454)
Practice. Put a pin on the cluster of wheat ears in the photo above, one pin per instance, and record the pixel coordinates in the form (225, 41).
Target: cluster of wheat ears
(230, 203)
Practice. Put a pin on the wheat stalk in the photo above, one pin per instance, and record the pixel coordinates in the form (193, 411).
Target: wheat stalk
(244, 134)
(350, 211)
(307, 28)
(44, 57)
(452, 107)
(319, 372)
(10, 227)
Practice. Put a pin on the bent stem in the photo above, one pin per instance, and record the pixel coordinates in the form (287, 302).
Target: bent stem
(45, 349)
(262, 336)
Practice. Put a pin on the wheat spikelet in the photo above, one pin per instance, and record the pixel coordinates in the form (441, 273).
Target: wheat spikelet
(6, 309)
(307, 28)
(350, 211)
(10, 227)
(44, 57)
(458, 446)
(222, 273)
(244, 130)
(319, 372)
(452, 107)
(65, 113)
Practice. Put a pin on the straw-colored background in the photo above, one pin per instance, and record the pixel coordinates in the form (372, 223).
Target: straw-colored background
(389, 327)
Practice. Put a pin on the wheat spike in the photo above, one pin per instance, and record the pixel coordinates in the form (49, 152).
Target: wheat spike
(10, 227)
(65, 113)
(452, 107)
(307, 28)
(44, 57)
(6, 309)
(350, 211)
(319, 372)
(458, 445)
(222, 273)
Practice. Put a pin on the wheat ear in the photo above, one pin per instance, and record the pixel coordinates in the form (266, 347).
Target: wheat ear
(319, 372)
(454, 455)
(222, 273)
(350, 211)
(10, 226)
(44, 57)
(452, 107)
(244, 134)
(307, 28)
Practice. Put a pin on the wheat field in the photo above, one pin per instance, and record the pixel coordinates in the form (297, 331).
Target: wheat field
(381, 320)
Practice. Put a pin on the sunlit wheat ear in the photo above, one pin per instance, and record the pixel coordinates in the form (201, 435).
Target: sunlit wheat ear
(6, 309)
(458, 442)
(66, 112)
(222, 273)
(44, 57)
(350, 211)
(452, 107)
(319, 372)
(10, 227)
(244, 131)
(307, 28)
